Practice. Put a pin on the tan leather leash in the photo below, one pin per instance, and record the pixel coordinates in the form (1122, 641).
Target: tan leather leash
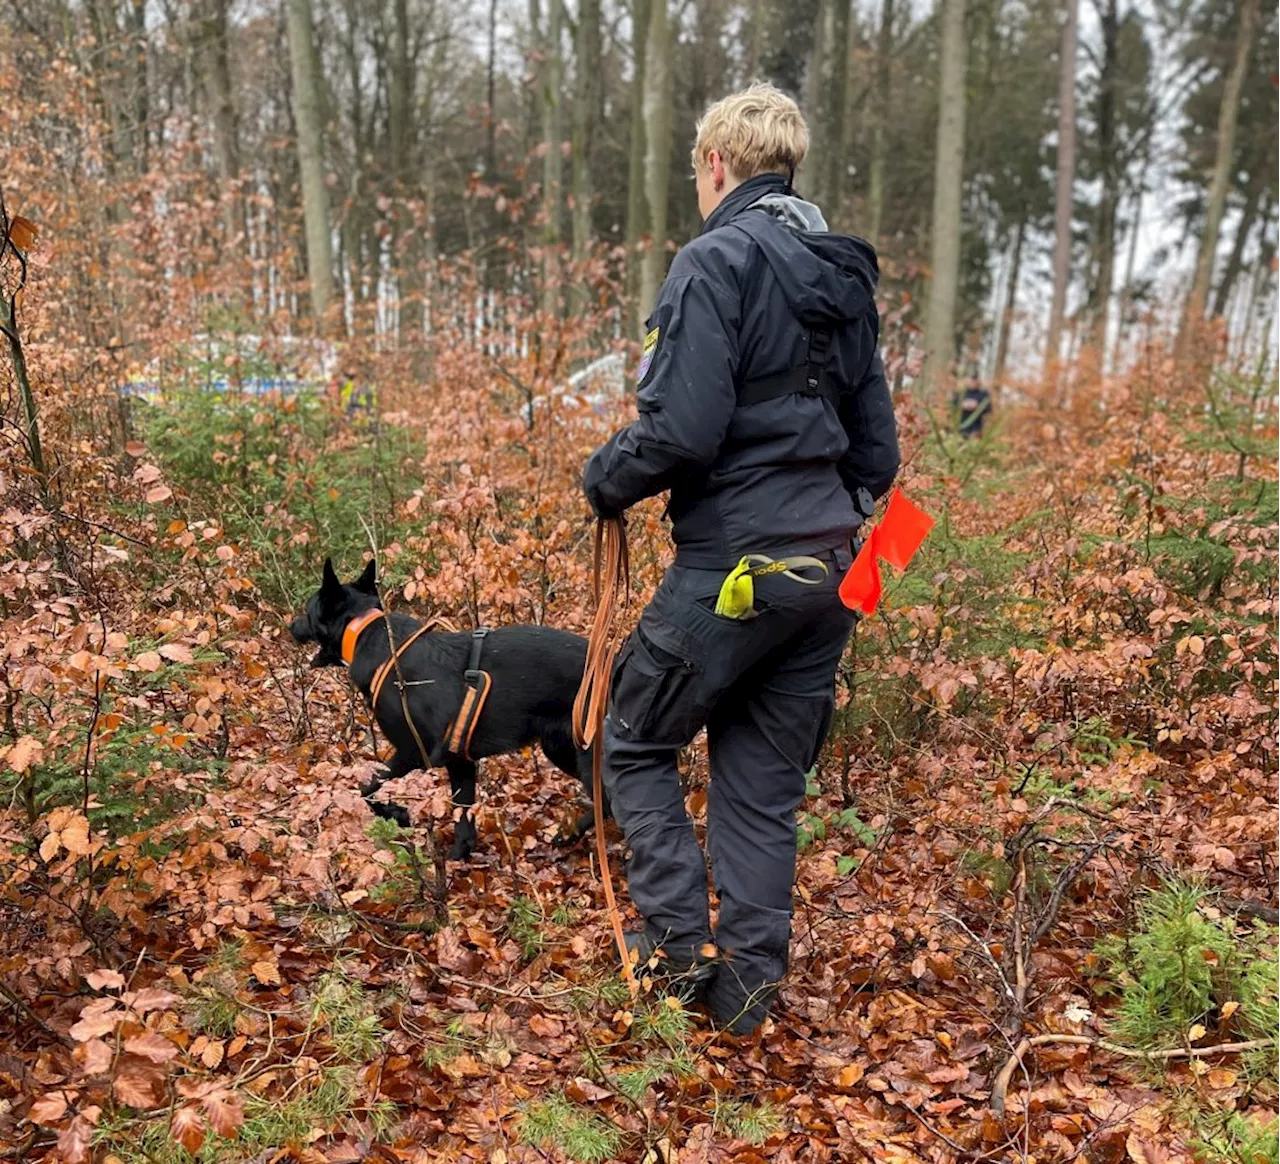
(610, 577)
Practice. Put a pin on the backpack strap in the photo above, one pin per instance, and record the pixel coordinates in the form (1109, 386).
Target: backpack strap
(478, 684)
(808, 379)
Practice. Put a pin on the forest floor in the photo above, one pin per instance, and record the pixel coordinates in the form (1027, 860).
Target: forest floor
(1040, 846)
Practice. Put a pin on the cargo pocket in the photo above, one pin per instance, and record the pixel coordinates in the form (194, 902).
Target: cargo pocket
(654, 695)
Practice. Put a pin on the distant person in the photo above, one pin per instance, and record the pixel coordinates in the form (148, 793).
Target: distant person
(764, 410)
(972, 407)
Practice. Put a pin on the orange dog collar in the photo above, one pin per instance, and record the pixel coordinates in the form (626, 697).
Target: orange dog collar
(354, 627)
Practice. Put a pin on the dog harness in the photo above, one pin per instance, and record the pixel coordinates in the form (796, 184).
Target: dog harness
(478, 683)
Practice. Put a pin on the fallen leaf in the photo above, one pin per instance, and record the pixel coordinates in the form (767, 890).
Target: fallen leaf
(152, 998)
(151, 1046)
(48, 1109)
(224, 1112)
(1196, 1032)
(1144, 1152)
(158, 494)
(75, 837)
(137, 1089)
(212, 1054)
(850, 1076)
(1221, 1077)
(187, 1127)
(149, 661)
(105, 979)
(1229, 1008)
(177, 653)
(95, 1057)
(73, 1143)
(268, 973)
(23, 232)
(94, 1026)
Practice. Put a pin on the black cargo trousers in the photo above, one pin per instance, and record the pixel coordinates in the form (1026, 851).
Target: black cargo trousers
(764, 688)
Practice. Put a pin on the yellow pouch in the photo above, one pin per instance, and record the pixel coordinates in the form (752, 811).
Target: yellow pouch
(737, 597)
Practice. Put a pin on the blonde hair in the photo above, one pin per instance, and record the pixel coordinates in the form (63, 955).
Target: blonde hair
(759, 130)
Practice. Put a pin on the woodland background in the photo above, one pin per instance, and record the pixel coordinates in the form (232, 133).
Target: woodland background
(1037, 899)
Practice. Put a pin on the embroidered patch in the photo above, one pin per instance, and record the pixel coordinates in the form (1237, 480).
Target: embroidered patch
(646, 356)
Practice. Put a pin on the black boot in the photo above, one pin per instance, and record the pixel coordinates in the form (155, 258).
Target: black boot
(680, 971)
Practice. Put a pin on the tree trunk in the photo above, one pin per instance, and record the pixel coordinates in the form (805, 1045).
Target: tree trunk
(815, 100)
(1126, 284)
(835, 158)
(217, 80)
(552, 129)
(637, 210)
(657, 161)
(1010, 302)
(948, 180)
(1228, 112)
(307, 112)
(490, 115)
(586, 86)
(399, 95)
(1231, 272)
(1066, 181)
(882, 105)
(1095, 337)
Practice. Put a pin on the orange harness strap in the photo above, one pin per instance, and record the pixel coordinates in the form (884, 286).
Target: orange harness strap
(354, 627)
(380, 675)
(479, 683)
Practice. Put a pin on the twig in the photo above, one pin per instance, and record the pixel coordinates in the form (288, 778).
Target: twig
(1001, 1085)
(1253, 908)
(20, 1004)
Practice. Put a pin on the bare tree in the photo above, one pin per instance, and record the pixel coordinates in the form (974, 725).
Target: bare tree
(657, 159)
(308, 115)
(1228, 113)
(939, 337)
(1066, 180)
(587, 85)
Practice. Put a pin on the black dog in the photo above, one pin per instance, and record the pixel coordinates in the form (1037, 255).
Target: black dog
(535, 672)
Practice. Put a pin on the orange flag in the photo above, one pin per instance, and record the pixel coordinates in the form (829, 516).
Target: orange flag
(896, 540)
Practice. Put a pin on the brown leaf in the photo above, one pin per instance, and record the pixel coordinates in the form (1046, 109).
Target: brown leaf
(94, 1026)
(50, 846)
(268, 973)
(151, 1045)
(450, 952)
(152, 998)
(1221, 1077)
(48, 1109)
(27, 751)
(211, 1055)
(105, 979)
(149, 661)
(23, 233)
(135, 449)
(140, 1089)
(1144, 1152)
(850, 1076)
(158, 494)
(188, 1128)
(75, 837)
(224, 1111)
(73, 1143)
(95, 1057)
(177, 653)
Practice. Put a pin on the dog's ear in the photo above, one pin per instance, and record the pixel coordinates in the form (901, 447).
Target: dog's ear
(330, 587)
(368, 581)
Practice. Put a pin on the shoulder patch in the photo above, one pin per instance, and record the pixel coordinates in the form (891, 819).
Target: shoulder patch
(646, 355)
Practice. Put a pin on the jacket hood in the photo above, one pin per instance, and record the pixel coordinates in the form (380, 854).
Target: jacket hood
(826, 278)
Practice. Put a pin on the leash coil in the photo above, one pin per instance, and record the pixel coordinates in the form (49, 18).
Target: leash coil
(610, 578)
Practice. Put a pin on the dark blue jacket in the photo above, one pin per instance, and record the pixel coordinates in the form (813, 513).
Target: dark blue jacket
(791, 474)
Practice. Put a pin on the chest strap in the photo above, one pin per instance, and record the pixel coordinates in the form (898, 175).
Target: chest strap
(808, 379)
(478, 684)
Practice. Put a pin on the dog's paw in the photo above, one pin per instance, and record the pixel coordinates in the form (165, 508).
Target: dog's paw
(461, 848)
(395, 812)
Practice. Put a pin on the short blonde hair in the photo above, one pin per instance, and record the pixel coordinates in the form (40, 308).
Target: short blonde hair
(759, 130)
